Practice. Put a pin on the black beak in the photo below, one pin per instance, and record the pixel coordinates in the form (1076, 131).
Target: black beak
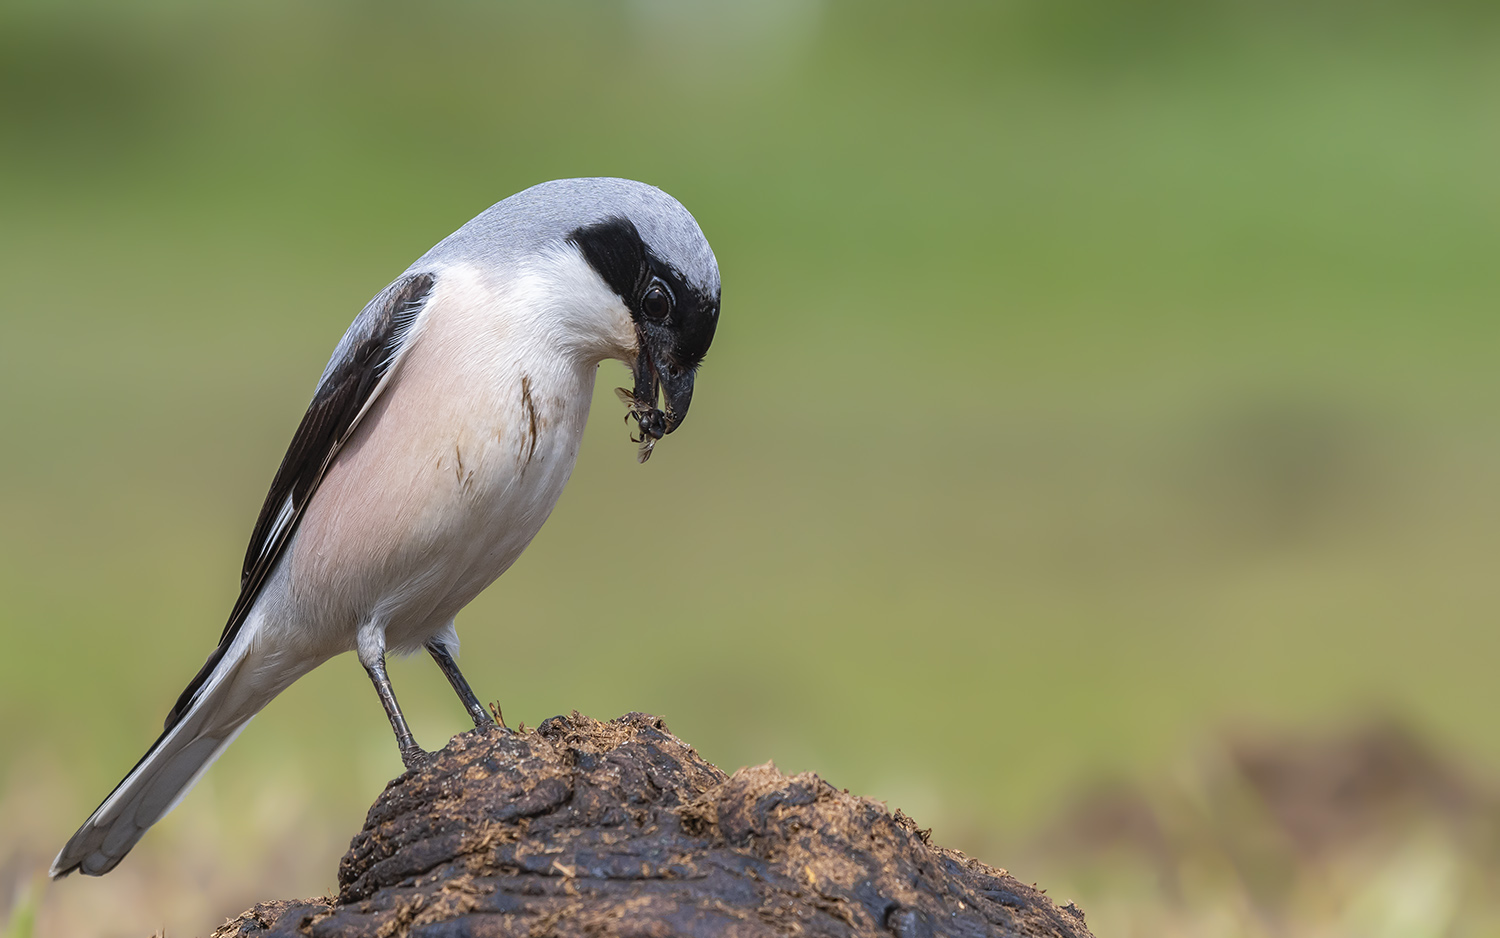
(673, 386)
(677, 394)
(650, 382)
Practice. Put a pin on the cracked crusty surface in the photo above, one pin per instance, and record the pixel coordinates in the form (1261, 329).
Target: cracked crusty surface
(620, 829)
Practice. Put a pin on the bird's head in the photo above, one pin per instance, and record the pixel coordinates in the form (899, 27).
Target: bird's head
(650, 251)
(649, 272)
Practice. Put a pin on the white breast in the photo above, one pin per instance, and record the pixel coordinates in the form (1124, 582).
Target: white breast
(454, 469)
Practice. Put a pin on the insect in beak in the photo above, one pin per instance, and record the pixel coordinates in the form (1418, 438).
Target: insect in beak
(651, 422)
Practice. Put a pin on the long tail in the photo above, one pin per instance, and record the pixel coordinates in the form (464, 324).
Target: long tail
(233, 693)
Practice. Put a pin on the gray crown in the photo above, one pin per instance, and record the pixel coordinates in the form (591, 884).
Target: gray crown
(549, 212)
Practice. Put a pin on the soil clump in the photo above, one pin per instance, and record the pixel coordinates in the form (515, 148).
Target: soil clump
(620, 829)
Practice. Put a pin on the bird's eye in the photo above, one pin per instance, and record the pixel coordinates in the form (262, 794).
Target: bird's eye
(656, 302)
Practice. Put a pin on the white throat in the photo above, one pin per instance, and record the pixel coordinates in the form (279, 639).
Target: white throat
(558, 301)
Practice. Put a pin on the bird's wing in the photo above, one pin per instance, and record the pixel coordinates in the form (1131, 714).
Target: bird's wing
(352, 381)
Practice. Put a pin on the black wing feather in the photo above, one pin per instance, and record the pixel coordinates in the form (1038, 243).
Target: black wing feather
(369, 349)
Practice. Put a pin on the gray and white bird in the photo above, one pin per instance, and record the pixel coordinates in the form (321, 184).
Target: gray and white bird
(439, 438)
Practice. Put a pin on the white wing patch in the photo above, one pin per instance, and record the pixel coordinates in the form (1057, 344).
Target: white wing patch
(283, 518)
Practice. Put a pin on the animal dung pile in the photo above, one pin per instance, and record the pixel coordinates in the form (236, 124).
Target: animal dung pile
(612, 829)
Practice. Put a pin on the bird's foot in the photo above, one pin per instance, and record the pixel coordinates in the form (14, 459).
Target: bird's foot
(413, 757)
(481, 716)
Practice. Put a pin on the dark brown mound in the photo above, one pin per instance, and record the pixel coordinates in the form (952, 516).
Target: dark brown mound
(619, 828)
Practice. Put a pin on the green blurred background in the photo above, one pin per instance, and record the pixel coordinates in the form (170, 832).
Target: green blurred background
(1092, 376)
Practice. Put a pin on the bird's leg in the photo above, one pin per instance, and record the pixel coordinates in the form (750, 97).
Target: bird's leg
(477, 713)
(372, 656)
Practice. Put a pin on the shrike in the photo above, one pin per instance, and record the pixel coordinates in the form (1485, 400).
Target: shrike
(439, 437)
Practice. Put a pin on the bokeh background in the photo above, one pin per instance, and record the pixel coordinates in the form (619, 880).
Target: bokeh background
(1098, 382)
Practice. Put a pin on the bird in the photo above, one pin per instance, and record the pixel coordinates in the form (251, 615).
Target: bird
(439, 438)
